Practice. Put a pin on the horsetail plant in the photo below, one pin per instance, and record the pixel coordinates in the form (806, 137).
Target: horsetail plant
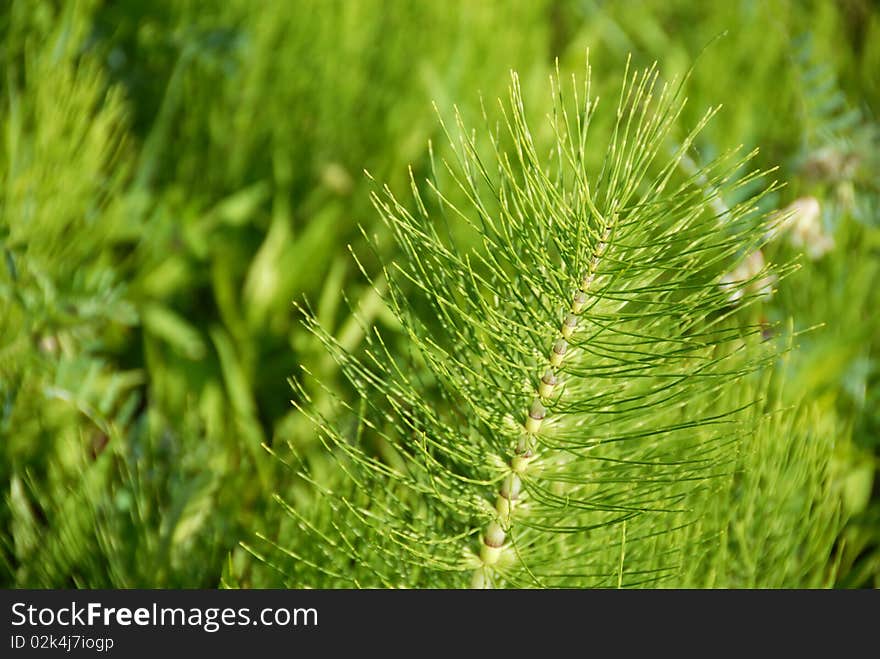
(573, 379)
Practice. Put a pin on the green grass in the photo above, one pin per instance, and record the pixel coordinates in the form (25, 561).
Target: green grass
(177, 175)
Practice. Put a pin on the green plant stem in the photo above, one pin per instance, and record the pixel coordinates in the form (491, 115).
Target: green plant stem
(526, 451)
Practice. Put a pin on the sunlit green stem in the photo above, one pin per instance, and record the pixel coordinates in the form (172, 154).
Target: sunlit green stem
(510, 494)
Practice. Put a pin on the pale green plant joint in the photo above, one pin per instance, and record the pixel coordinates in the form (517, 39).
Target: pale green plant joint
(535, 418)
(520, 463)
(510, 488)
(568, 326)
(548, 383)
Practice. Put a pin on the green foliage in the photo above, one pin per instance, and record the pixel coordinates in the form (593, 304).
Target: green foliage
(175, 174)
(577, 382)
(774, 518)
(147, 326)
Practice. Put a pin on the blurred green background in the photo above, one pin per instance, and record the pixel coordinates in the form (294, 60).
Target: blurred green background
(175, 174)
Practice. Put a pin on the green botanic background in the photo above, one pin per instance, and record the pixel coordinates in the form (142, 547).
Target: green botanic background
(177, 174)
